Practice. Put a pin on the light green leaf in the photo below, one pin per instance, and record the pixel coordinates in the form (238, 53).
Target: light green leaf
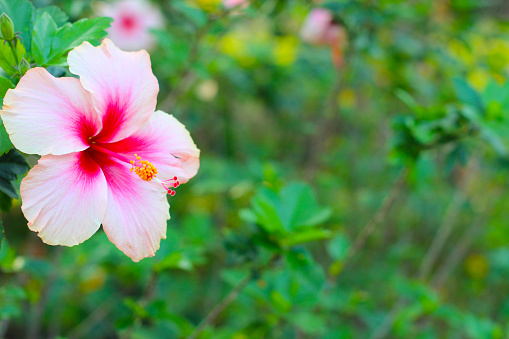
(7, 60)
(45, 29)
(20, 12)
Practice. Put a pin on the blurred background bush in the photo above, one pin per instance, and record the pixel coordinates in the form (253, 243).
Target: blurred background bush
(353, 179)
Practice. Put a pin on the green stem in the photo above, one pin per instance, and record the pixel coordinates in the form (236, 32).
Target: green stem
(13, 49)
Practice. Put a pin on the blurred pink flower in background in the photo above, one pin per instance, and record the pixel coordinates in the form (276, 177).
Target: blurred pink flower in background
(320, 29)
(133, 20)
(234, 3)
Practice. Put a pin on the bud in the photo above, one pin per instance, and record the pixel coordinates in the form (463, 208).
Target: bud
(6, 27)
(24, 66)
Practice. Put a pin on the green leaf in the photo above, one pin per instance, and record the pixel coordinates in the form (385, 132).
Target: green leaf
(59, 16)
(309, 323)
(175, 260)
(294, 207)
(466, 94)
(338, 247)
(7, 60)
(20, 12)
(5, 85)
(11, 165)
(136, 308)
(299, 208)
(279, 302)
(45, 29)
(5, 202)
(306, 236)
(407, 99)
(70, 36)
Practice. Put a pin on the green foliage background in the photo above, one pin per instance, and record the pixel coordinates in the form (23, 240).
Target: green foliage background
(366, 202)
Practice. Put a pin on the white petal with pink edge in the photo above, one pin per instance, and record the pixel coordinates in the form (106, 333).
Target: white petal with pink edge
(64, 198)
(137, 211)
(167, 144)
(48, 115)
(123, 87)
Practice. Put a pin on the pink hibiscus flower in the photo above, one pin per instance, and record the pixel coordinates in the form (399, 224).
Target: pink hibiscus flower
(320, 29)
(133, 20)
(234, 3)
(107, 157)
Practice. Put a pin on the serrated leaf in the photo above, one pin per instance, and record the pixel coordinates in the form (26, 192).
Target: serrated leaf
(44, 30)
(7, 60)
(59, 16)
(20, 12)
(11, 165)
(70, 36)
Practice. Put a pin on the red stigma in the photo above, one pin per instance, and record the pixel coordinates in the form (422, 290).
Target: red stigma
(170, 183)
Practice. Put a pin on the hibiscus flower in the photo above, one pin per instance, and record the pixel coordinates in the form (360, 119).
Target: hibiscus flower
(132, 22)
(107, 157)
(321, 29)
(234, 3)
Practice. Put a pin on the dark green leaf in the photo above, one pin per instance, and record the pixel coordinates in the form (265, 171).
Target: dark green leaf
(5, 202)
(5, 141)
(11, 165)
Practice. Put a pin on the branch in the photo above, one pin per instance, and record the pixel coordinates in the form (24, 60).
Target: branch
(379, 215)
(219, 308)
(231, 297)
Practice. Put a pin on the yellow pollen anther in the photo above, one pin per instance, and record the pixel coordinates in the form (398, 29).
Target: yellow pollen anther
(145, 170)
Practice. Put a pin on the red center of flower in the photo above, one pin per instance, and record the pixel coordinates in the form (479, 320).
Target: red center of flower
(128, 22)
(143, 168)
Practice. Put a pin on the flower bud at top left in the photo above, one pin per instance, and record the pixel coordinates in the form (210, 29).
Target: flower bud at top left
(6, 27)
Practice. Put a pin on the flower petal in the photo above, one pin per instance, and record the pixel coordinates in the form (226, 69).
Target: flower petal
(64, 198)
(123, 87)
(166, 143)
(137, 211)
(48, 115)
